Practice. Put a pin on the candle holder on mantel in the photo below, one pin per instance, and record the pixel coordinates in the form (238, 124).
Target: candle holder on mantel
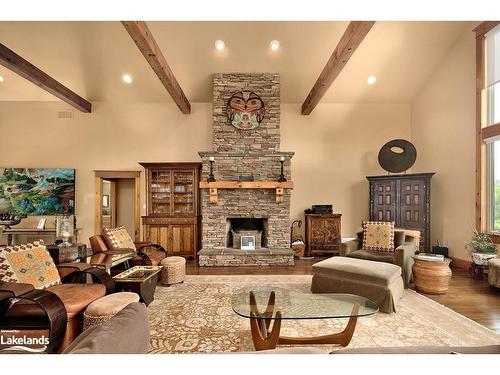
(211, 177)
(282, 177)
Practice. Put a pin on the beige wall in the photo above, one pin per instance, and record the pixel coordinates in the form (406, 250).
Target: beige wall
(336, 146)
(442, 129)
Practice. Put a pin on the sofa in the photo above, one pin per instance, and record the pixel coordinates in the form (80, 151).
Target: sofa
(125, 333)
(405, 246)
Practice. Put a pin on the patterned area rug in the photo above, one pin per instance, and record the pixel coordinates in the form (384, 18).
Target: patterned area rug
(196, 317)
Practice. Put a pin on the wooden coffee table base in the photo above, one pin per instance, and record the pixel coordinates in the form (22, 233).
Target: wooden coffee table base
(265, 338)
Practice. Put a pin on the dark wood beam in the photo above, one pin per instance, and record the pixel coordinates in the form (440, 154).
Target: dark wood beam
(25, 69)
(349, 42)
(146, 43)
(484, 27)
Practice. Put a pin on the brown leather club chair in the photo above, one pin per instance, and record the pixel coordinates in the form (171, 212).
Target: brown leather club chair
(148, 254)
(58, 308)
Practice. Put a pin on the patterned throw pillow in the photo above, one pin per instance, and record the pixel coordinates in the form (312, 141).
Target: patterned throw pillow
(118, 238)
(29, 263)
(378, 235)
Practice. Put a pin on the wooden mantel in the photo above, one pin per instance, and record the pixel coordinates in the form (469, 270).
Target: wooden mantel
(278, 186)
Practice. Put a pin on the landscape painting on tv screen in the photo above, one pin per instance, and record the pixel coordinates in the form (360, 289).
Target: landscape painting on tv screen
(37, 191)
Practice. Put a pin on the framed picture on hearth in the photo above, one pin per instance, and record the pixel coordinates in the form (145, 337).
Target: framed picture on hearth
(247, 242)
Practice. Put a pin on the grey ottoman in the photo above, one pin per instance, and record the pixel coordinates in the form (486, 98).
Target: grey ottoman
(378, 281)
(494, 272)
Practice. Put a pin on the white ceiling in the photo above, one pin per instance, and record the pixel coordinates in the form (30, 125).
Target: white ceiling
(90, 57)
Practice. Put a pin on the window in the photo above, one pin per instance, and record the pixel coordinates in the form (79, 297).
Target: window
(493, 76)
(492, 89)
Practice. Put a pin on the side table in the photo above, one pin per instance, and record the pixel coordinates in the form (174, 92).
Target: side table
(478, 271)
(139, 279)
(430, 276)
(66, 254)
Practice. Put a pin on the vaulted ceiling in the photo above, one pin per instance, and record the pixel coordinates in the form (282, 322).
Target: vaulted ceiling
(90, 58)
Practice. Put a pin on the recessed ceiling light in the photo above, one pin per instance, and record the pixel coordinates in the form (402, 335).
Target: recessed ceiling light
(127, 78)
(275, 44)
(1, 79)
(372, 80)
(220, 45)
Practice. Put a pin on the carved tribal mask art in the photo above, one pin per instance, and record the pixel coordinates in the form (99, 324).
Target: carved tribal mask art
(245, 110)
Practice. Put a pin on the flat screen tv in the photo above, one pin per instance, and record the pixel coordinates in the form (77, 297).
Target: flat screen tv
(37, 191)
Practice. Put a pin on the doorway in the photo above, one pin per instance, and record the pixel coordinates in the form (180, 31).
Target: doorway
(118, 201)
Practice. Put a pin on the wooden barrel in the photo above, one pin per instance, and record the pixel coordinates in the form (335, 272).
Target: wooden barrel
(431, 277)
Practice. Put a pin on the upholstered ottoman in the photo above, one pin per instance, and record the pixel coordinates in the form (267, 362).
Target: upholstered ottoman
(174, 270)
(494, 272)
(103, 309)
(378, 281)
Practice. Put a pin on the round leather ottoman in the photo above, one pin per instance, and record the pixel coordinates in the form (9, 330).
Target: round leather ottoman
(174, 270)
(106, 307)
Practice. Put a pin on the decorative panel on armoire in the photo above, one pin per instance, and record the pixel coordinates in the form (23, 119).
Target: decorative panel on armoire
(404, 199)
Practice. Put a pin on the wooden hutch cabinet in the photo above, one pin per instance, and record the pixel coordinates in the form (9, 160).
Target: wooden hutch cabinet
(323, 233)
(404, 199)
(173, 208)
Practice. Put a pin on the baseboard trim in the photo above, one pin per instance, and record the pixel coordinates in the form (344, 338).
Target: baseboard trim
(460, 263)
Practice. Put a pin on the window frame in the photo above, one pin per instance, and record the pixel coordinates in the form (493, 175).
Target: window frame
(484, 164)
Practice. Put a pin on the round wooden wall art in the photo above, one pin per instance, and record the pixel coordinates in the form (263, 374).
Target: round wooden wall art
(245, 110)
(397, 155)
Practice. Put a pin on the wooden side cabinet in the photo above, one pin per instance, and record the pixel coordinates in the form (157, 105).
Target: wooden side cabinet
(323, 233)
(173, 207)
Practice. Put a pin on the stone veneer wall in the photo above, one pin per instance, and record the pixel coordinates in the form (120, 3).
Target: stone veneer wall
(259, 203)
(252, 152)
(266, 137)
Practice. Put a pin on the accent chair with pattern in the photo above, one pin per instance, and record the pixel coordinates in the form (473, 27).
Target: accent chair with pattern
(374, 243)
(118, 239)
(36, 293)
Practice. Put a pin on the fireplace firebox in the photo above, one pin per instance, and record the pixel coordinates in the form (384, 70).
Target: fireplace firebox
(237, 227)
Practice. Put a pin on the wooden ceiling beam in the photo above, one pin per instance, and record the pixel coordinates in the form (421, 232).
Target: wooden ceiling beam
(349, 42)
(140, 33)
(25, 69)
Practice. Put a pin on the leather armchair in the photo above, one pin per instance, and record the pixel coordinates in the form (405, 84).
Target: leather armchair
(148, 254)
(58, 308)
(405, 247)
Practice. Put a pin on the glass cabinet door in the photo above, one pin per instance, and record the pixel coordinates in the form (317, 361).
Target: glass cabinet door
(183, 193)
(161, 192)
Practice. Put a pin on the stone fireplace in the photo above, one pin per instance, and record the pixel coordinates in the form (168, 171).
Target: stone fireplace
(246, 155)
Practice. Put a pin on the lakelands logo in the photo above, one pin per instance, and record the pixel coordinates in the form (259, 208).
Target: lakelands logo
(15, 340)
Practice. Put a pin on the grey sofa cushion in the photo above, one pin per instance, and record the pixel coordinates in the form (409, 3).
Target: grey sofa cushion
(126, 333)
(489, 349)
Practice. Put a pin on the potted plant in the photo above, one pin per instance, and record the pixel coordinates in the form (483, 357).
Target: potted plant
(481, 248)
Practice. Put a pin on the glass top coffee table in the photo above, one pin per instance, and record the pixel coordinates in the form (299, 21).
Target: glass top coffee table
(265, 304)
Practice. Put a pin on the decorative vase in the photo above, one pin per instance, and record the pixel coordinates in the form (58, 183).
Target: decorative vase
(481, 259)
(65, 229)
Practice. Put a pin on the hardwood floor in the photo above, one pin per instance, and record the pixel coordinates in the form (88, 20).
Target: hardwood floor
(474, 299)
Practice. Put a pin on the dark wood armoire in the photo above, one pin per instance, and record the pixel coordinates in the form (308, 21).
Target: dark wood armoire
(173, 207)
(404, 199)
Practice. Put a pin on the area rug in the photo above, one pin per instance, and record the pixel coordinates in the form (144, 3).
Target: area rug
(196, 317)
